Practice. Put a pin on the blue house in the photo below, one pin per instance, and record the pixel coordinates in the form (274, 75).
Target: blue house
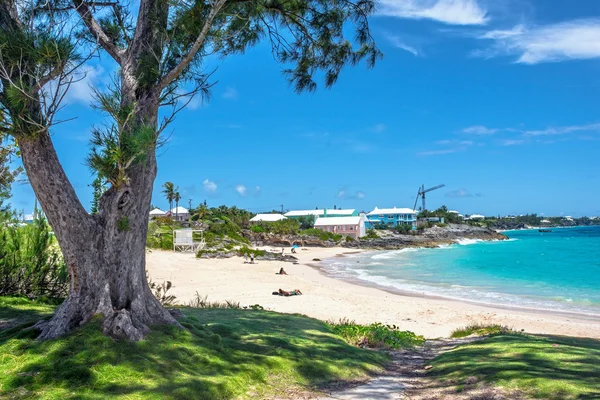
(391, 217)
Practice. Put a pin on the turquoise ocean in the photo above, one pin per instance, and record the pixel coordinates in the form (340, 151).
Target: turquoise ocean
(555, 271)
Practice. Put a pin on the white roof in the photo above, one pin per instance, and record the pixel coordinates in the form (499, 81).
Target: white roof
(545, 221)
(477, 216)
(302, 213)
(157, 211)
(453, 212)
(267, 217)
(394, 210)
(328, 221)
(180, 210)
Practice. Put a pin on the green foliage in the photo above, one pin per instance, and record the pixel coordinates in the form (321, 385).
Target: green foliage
(318, 233)
(222, 354)
(306, 221)
(540, 366)
(7, 174)
(245, 251)
(480, 330)
(31, 264)
(284, 227)
(349, 239)
(123, 224)
(99, 187)
(375, 335)
(160, 236)
(371, 234)
(202, 302)
(404, 229)
(258, 229)
(441, 225)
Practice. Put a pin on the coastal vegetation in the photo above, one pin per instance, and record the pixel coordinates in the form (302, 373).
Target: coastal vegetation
(375, 335)
(224, 353)
(539, 366)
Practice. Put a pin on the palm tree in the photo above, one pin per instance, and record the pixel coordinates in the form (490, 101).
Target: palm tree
(169, 192)
(176, 197)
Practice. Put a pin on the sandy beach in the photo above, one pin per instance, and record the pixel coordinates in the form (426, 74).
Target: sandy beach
(327, 298)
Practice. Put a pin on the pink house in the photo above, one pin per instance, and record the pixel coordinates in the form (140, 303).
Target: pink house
(346, 226)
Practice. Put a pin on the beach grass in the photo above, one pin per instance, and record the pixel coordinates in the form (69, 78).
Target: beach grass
(375, 335)
(547, 367)
(223, 354)
(480, 330)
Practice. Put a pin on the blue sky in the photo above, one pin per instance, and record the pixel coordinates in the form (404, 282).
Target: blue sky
(498, 100)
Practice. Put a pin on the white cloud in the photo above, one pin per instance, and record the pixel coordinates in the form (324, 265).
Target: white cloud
(360, 195)
(241, 189)
(400, 44)
(341, 194)
(562, 130)
(378, 128)
(461, 193)
(571, 40)
(230, 93)
(512, 142)
(209, 186)
(452, 12)
(438, 152)
(479, 130)
(87, 78)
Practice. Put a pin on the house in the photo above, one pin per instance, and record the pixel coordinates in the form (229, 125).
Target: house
(324, 213)
(267, 218)
(180, 214)
(392, 217)
(545, 221)
(157, 212)
(476, 217)
(346, 226)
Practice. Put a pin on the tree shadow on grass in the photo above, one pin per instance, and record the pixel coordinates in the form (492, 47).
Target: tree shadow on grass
(223, 354)
(551, 367)
(16, 311)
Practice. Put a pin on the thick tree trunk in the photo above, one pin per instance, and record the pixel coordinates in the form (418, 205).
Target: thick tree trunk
(105, 253)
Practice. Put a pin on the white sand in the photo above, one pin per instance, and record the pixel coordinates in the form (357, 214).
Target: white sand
(327, 298)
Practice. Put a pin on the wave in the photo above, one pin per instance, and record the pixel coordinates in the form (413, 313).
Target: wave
(466, 242)
(388, 255)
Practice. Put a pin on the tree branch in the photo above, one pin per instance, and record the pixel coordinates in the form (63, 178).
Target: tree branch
(198, 43)
(95, 29)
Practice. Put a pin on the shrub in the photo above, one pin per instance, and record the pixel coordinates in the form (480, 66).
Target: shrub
(245, 251)
(31, 264)
(481, 330)
(284, 227)
(318, 233)
(306, 221)
(202, 302)
(337, 238)
(404, 229)
(258, 229)
(371, 234)
(375, 335)
(349, 239)
(441, 225)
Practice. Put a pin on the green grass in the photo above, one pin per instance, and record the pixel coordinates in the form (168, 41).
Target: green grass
(481, 330)
(20, 310)
(376, 335)
(547, 367)
(225, 353)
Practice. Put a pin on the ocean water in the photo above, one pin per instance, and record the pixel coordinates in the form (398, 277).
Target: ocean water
(559, 270)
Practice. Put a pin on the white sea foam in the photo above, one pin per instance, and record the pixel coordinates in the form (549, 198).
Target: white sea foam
(466, 242)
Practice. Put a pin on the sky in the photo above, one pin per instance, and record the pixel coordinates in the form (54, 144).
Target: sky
(499, 100)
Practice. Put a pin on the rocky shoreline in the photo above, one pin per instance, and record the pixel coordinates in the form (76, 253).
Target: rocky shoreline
(388, 240)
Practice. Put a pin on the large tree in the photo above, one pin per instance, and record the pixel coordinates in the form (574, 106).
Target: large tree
(159, 47)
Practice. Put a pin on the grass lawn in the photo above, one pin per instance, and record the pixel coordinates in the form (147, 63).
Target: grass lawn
(226, 353)
(19, 310)
(548, 367)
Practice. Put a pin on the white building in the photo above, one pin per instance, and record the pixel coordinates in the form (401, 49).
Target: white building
(157, 212)
(267, 218)
(180, 214)
(476, 217)
(346, 226)
(322, 213)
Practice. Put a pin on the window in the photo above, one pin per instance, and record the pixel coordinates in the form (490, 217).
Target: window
(351, 228)
(391, 216)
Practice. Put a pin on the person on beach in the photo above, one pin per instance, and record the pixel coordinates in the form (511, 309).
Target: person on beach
(251, 258)
(281, 272)
(295, 292)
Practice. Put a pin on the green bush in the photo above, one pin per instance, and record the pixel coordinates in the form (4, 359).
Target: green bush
(349, 239)
(441, 225)
(318, 233)
(31, 263)
(284, 227)
(371, 234)
(375, 335)
(245, 251)
(404, 229)
(258, 229)
(336, 237)
(481, 330)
